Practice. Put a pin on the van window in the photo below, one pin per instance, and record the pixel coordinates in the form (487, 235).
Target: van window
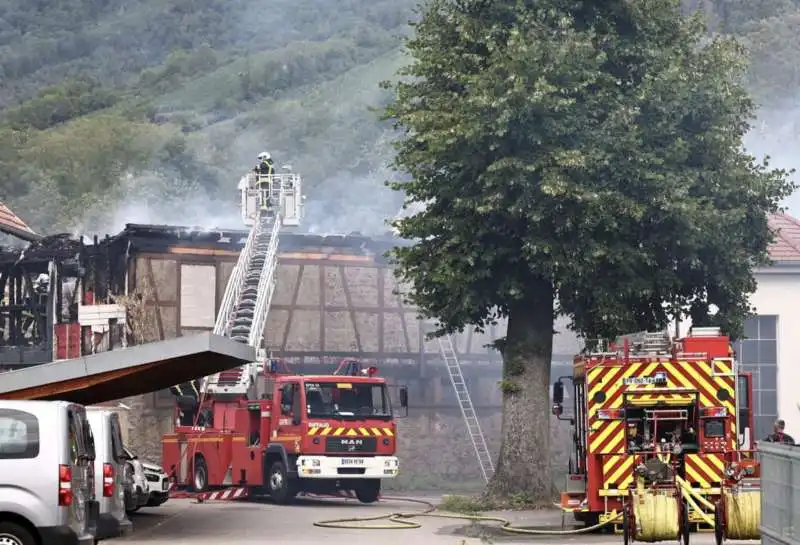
(81, 438)
(19, 435)
(118, 449)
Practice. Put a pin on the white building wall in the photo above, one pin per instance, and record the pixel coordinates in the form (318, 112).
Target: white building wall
(779, 294)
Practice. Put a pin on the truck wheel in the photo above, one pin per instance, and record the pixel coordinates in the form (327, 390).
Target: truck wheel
(14, 534)
(281, 489)
(368, 491)
(200, 477)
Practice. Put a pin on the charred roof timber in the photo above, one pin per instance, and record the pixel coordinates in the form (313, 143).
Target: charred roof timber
(159, 238)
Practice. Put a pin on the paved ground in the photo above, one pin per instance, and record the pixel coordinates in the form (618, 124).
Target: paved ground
(233, 523)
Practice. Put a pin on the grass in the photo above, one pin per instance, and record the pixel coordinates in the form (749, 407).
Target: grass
(476, 505)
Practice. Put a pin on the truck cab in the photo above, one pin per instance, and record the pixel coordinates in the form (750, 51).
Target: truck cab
(329, 433)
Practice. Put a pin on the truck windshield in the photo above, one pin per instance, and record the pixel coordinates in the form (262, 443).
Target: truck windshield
(346, 399)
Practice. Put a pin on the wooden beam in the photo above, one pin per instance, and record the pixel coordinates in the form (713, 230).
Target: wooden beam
(292, 306)
(382, 306)
(349, 302)
(321, 308)
(152, 280)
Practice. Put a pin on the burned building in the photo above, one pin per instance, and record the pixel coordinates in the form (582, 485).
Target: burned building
(38, 279)
(336, 297)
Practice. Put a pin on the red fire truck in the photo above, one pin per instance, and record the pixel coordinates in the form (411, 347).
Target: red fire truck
(289, 434)
(678, 409)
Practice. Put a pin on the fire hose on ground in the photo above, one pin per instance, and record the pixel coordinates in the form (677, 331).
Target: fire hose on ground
(403, 521)
(656, 516)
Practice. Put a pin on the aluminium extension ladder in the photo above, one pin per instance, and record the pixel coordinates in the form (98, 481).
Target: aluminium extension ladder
(465, 404)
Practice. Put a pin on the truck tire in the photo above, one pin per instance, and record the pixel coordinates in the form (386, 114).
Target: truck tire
(199, 474)
(14, 534)
(281, 489)
(369, 491)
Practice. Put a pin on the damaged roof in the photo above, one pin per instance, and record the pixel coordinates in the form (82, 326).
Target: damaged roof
(159, 238)
(11, 223)
(62, 247)
(127, 372)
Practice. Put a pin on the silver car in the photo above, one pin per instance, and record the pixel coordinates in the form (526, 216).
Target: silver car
(46, 474)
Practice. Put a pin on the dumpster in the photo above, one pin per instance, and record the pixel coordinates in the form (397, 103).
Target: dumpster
(780, 494)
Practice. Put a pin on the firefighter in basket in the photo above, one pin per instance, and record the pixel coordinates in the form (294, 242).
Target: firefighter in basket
(264, 172)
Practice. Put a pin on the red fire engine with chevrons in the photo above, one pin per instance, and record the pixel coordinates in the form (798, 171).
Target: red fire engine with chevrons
(685, 397)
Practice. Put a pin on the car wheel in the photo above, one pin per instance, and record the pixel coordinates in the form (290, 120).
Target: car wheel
(14, 534)
(281, 489)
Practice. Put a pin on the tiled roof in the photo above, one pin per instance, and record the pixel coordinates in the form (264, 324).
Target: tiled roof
(11, 224)
(787, 238)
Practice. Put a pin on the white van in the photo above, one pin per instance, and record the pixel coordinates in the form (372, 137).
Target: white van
(46, 474)
(109, 467)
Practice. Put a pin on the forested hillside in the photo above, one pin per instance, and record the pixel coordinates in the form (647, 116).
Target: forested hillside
(150, 111)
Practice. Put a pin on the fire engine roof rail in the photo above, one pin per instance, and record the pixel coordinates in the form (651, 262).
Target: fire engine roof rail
(647, 342)
(248, 296)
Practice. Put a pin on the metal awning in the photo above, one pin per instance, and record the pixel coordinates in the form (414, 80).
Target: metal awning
(126, 372)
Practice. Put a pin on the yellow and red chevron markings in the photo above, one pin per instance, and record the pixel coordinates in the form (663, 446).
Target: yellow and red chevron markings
(684, 379)
(617, 473)
(351, 432)
(705, 470)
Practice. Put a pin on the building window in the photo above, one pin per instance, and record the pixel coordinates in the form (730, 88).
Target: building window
(757, 353)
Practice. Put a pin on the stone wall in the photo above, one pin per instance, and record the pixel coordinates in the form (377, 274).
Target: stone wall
(433, 445)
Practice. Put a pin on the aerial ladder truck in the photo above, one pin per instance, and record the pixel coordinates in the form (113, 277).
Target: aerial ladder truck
(261, 429)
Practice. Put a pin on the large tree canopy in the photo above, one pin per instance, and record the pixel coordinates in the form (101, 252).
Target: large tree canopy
(579, 158)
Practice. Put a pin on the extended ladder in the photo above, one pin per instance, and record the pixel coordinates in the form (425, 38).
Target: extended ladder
(248, 296)
(467, 409)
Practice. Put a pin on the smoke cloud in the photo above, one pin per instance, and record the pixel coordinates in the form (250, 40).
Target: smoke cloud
(155, 198)
(776, 134)
(347, 203)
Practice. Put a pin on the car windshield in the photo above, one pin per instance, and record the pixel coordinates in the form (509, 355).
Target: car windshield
(347, 399)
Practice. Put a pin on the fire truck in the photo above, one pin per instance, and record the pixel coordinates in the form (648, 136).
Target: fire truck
(652, 414)
(281, 433)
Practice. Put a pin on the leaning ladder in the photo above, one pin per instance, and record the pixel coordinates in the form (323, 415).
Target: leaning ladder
(466, 406)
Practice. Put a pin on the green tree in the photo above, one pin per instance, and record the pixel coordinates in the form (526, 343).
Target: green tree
(575, 158)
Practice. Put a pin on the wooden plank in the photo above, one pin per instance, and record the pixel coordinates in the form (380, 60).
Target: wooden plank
(292, 307)
(157, 306)
(349, 303)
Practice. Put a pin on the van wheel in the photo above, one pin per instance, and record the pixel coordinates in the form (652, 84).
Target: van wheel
(200, 477)
(281, 489)
(369, 491)
(14, 534)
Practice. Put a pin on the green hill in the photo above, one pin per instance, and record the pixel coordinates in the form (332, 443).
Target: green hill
(150, 111)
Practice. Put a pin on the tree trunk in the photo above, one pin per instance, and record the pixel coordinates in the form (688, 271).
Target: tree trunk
(523, 468)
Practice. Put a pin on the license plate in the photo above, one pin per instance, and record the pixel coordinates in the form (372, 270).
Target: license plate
(352, 461)
(165, 485)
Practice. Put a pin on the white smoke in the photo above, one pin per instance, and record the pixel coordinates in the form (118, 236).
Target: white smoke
(776, 134)
(153, 198)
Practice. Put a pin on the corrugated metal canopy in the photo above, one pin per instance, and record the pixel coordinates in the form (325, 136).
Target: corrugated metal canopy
(126, 372)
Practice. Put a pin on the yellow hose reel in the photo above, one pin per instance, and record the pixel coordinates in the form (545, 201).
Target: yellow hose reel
(738, 516)
(653, 516)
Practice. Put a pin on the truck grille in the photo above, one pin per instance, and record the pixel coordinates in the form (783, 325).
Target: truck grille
(351, 444)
